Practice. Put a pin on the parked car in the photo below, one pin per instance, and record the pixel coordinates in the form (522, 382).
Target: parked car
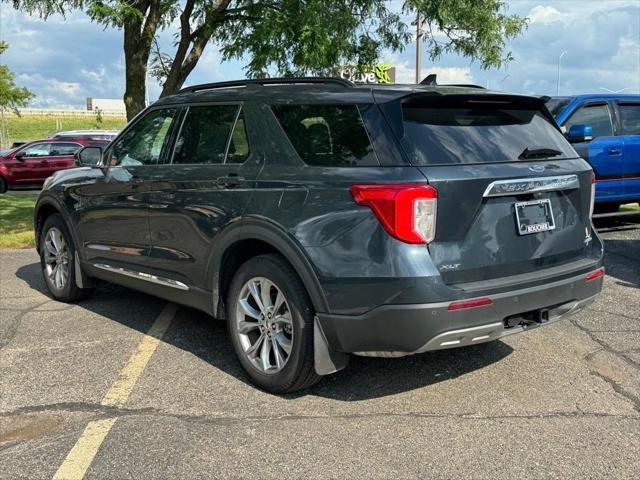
(323, 219)
(605, 131)
(29, 165)
(86, 134)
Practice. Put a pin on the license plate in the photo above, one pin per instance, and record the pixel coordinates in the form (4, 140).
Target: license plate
(534, 217)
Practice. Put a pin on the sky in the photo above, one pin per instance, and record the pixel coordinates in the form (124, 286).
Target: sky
(65, 60)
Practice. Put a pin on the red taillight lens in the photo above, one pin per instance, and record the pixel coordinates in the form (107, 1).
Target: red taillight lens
(595, 275)
(406, 211)
(475, 303)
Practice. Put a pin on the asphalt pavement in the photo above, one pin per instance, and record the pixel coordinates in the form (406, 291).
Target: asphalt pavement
(561, 401)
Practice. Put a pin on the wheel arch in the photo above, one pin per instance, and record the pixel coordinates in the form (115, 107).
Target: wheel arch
(45, 207)
(256, 236)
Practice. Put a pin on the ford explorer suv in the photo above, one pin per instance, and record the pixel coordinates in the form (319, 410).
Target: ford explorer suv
(29, 165)
(605, 131)
(322, 219)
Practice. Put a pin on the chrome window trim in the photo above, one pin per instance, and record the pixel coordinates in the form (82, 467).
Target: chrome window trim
(519, 186)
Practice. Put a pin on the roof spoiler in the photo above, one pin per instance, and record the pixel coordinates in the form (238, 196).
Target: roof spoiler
(431, 80)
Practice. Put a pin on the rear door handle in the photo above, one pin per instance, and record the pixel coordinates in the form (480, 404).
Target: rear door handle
(230, 181)
(614, 151)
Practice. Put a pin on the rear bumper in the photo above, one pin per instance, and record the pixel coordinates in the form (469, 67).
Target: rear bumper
(396, 330)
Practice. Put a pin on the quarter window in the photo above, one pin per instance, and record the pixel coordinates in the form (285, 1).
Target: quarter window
(629, 118)
(64, 149)
(595, 115)
(143, 143)
(208, 132)
(327, 135)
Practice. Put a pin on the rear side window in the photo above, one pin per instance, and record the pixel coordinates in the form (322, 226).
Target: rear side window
(629, 118)
(211, 133)
(468, 132)
(327, 135)
(595, 115)
(64, 148)
(204, 134)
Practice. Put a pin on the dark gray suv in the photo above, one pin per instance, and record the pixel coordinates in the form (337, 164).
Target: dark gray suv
(323, 219)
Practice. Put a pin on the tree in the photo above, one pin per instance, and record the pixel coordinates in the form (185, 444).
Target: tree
(287, 37)
(11, 96)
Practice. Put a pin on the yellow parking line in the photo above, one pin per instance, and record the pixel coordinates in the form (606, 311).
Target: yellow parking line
(79, 459)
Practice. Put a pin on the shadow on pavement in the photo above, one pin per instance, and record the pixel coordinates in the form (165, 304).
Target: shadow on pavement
(365, 378)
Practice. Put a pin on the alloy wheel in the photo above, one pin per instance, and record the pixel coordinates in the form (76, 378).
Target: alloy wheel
(56, 258)
(264, 325)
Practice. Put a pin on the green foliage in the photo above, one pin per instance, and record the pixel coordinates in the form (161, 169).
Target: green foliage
(99, 120)
(16, 220)
(32, 127)
(474, 29)
(288, 37)
(11, 96)
(292, 37)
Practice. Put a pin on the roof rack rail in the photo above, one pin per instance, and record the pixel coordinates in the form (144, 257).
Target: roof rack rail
(269, 81)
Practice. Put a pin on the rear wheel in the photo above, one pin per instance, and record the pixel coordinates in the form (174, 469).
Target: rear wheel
(57, 260)
(270, 321)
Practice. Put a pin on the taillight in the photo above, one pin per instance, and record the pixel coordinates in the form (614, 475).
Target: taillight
(593, 194)
(406, 211)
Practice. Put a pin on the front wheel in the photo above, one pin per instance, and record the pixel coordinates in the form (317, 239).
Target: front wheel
(57, 260)
(270, 321)
(3, 185)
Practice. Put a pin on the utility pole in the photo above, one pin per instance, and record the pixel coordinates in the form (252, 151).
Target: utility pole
(419, 34)
(558, 83)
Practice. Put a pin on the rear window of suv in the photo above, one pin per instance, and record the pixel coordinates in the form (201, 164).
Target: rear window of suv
(327, 135)
(468, 132)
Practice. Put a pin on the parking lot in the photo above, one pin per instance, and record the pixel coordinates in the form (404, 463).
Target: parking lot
(84, 386)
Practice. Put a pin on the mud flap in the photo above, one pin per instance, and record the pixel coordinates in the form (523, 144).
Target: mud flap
(326, 360)
(82, 280)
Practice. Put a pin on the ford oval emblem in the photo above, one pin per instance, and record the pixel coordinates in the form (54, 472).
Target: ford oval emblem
(536, 168)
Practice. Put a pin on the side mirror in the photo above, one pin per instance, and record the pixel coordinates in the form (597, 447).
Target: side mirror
(89, 156)
(580, 133)
(19, 156)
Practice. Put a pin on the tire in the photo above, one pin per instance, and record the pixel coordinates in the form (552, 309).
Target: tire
(606, 207)
(61, 287)
(3, 185)
(290, 325)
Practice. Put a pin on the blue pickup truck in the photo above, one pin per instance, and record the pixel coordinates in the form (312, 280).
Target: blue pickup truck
(605, 131)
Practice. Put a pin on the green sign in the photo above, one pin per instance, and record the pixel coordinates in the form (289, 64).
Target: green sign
(380, 73)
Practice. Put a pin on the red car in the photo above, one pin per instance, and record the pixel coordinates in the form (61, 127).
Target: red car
(29, 165)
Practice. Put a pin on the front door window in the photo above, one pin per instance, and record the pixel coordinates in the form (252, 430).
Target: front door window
(143, 143)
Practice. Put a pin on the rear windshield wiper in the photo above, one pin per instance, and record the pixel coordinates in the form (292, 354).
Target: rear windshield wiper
(539, 153)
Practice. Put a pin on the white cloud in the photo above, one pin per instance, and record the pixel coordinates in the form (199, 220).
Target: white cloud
(405, 72)
(544, 14)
